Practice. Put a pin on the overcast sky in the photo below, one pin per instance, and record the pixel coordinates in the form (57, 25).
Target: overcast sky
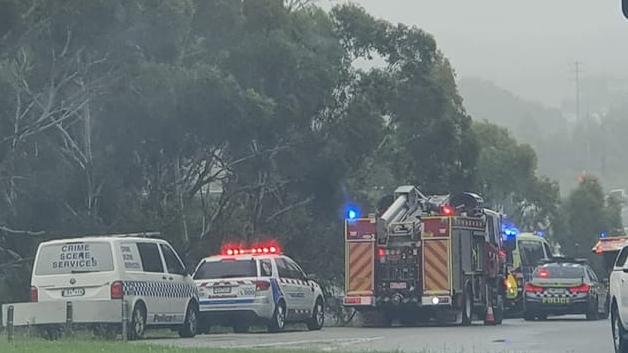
(528, 47)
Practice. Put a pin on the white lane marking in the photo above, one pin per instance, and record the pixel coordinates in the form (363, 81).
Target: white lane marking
(341, 341)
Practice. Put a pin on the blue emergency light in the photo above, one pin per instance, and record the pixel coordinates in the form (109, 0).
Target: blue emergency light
(604, 235)
(352, 213)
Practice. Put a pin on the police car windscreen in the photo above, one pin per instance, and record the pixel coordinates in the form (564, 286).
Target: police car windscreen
(563, 271)
(226, 269)
(74, 257)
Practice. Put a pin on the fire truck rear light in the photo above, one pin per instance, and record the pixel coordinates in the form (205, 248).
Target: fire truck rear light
(34, 294)
(262, 286)
(448, 211)
(381, 252)
(117, 290)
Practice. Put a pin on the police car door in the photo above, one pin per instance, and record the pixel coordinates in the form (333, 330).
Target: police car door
(177, 288)
(150, 285)
(288, 287)
(301, 287)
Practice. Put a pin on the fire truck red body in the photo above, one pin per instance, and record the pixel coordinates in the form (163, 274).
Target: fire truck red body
(426, 258)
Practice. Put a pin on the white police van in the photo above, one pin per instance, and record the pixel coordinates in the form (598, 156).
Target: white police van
(146, 272)
(242, 287)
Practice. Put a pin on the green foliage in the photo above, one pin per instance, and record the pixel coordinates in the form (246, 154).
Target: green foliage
(507, 178)
(587, 214)
(224, 121)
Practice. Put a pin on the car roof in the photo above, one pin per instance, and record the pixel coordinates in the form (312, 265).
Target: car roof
(103, 238)
(530, 236)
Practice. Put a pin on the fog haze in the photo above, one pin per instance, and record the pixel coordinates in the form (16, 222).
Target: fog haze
(527, 47)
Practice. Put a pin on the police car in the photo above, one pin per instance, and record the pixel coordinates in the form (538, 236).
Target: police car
(243, 287)
(565, 286)
(146, 272)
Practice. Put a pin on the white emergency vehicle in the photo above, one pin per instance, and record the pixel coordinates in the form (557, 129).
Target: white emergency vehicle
(242, 287)
(146, 272)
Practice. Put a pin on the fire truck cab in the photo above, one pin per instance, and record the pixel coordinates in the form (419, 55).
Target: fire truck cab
(425, 258)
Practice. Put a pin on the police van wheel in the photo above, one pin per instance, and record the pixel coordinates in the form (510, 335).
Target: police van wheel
(190, 325)
(619, 342)
(138, 323)
(317, 320)
(278, 322)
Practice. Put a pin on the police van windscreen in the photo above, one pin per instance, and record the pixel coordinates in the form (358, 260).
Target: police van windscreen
(531, 252)
(74, 257)
(226, 269)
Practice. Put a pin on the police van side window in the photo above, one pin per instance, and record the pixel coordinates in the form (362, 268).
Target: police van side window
(548, 251)
(621, 259)
(173, 264)
(151, 260)
(295, 270)
(282, 268)
(265, 268)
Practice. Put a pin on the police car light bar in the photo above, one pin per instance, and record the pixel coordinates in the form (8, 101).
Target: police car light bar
(259, 250)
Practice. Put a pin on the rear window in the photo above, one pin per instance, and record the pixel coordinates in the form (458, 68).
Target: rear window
(226, 269)
(563, 271)
(74, 257)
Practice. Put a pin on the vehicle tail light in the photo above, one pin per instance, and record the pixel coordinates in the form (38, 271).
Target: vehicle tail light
(34, 294)
(262, 286)
(117, 290)
(580, 289)
(381, 252)
(531, 288)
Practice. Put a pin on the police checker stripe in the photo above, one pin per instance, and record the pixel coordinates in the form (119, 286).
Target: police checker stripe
(159, 289)
(436, 265)
(226, 283)
(361, 267)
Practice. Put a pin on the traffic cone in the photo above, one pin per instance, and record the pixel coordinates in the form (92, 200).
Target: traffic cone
(490, 317)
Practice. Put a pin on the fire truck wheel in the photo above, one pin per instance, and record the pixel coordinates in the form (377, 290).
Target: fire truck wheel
(467, 307)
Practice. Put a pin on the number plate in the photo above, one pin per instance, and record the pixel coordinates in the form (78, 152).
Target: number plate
(556, 301)
(74, 292)
(222, 290)
(398, 285)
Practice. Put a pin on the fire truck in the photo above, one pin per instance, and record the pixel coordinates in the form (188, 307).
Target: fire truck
(426, 258)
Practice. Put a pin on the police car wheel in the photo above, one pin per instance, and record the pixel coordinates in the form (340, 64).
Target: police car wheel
(528, 316)
(138, 323)
(619, 342)
(190, 325)
(592, 313)
(278, 322)
(317, 320)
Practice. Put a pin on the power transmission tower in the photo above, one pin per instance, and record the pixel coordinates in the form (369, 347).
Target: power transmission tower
(578, 72)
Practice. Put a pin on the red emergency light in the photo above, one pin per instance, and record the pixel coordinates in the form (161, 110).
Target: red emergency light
(257, 250)
(448, 210)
